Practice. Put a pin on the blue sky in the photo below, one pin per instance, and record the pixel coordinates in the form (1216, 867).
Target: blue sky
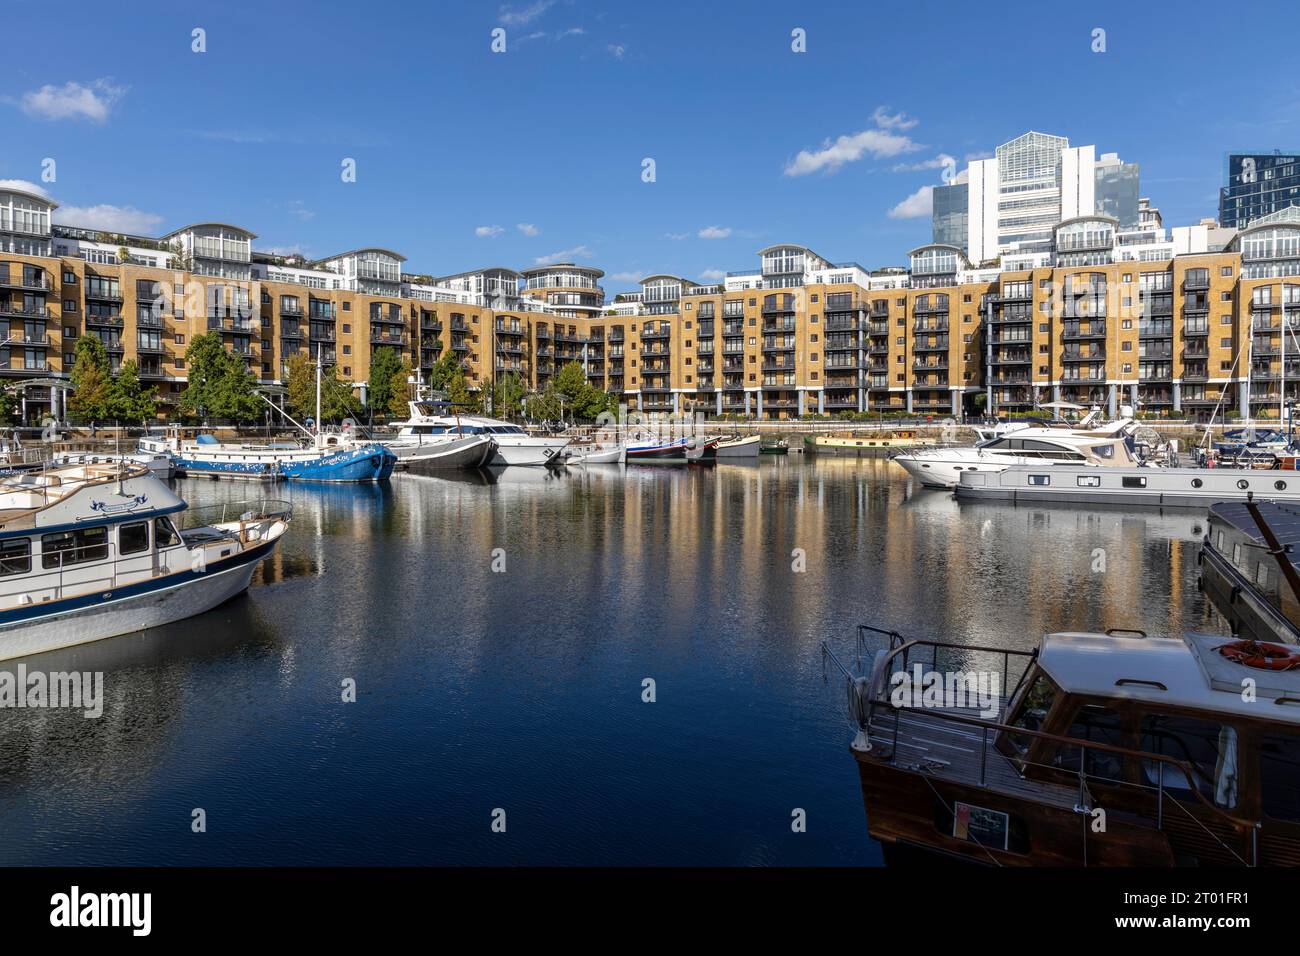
(469, 158)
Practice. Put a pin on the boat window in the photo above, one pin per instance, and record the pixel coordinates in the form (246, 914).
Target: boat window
(1030, 444)
(1279, 772)
(133, 538)
(1033, 710)
(1089, 481)
(1104, 451)
(15, 556)
(164, 533)
(1040, 479)
(1098, 725)
(1210, 747)
(63, 548)
(1133, 481)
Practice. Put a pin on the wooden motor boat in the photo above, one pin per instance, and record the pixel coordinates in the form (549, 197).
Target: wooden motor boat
(1110, 749)
(865, 445)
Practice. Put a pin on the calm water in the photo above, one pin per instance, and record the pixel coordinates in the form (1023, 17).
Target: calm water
(522, 690)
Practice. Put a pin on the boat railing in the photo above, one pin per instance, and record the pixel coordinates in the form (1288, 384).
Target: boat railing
(879, 708)
(249, 510)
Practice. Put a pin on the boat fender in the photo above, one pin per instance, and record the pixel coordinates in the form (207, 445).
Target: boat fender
(1234, 594)
(859, 705)
(1269, 657)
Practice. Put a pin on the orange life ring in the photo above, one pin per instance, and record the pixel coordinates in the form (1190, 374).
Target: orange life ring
(1269, 657)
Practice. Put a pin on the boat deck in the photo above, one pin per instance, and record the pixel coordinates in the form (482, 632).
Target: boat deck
(948, 750)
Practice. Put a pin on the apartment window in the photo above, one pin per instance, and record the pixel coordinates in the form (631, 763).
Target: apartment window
(1126, 347)
(180, 363)
(751, 318)
(69, 278)
(1042, 327)
(1126, 324)
(965, 318)
(968, 338)
(1127, 301)
(813, 337)
(1042, 370)
(900, 341)
(1225, 271)
(900, 301)
(813, 297)
(814, 376)
(1128, 277)
(1225, 320)
(347, 306)
(180, 339)
(966, 298)
(69, 331)
(752, 340)
(1225, 343)
(347, 328)
(69, 305)
(1225, 366)
(688, 360)
(902, 322)
(1042, 350)
(753, 302)
(1225, 296)
(1127, 368)
(812, 357)
(1043, 283)
(812, 319)
(347, 350)
(347, 370)
(69, 359)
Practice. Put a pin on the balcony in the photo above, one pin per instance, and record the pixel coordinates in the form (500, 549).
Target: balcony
(1195, 280)
(18, 310)
(105, 321)
(1073, 355)
(1073, 330)
(660, 333)
(384, 338)
(26, 284)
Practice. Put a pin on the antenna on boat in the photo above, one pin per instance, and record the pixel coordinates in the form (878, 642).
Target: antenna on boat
(1276, 548)
(319, 354)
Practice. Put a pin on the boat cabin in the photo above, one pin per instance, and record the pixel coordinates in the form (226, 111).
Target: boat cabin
(1111, 749)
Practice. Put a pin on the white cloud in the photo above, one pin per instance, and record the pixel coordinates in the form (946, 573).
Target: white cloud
(982, 154)
(713, 275)
(899, 120)
(915, 206)
(73, 101)
(523, 16)
(715, 232)
(677, 236)
(625, 277)
(617, 50)
(879, 142)
(527, 228)
(24, 186)
(107, 218)
(938, 162)
(488, 232)
(552, 37)
(298, 209)
(564, 255)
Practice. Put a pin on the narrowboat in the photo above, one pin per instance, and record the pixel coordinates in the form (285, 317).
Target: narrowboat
(869, 445)
(93, 551)
(1109, 749)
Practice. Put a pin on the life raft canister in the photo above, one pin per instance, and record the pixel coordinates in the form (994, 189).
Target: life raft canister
(1269, 657)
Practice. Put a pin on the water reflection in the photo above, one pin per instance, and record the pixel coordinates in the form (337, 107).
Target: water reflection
(520, 686)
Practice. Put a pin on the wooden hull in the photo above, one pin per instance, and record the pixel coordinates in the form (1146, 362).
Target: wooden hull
(861, 447)
(910, 808)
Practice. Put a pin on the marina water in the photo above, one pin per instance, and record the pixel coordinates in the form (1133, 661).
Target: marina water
(500, 636)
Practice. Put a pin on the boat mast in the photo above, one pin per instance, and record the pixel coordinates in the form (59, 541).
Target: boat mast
(318, 361)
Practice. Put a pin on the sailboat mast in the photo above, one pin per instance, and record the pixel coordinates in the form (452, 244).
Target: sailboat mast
(318, 361)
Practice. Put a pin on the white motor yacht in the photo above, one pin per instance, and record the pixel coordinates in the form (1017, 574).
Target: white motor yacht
(514, 446)
(1110, 445)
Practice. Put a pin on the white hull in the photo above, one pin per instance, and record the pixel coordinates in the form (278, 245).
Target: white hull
(945, 471)
(1130, 487)
(519, 450)
(744, 448)
(604, 456)
(112, 618)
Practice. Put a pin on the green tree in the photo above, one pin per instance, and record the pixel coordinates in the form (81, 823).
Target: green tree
(92, 381)
(220, 384)
(129, 399)
(387, 385)
(8, 407)
(444, 370)
(337, 400)
(458, 392)
(545, 404)
(508, 395)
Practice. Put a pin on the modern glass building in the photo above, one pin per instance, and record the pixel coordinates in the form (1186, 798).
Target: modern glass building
(1116, 191)
(950, 218)
(1256, 185)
